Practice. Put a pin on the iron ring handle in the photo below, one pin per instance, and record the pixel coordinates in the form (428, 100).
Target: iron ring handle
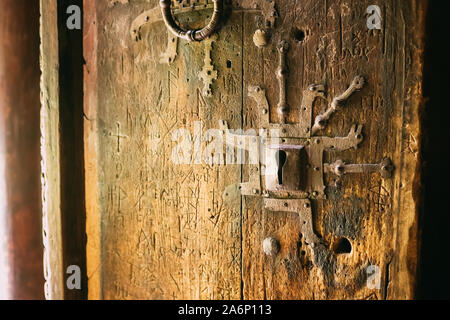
(191, 35)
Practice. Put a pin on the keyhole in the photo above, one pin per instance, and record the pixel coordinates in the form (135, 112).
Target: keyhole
(281, 161)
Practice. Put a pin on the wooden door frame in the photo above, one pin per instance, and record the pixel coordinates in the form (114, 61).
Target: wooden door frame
(62, 150)
(21, 273)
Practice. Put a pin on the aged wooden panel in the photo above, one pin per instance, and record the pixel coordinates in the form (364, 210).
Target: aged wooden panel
(162, 230)
(50, 149)
(165, 231)
(93, 251)
(378, 217)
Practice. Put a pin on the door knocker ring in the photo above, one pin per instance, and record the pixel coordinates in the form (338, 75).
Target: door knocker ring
(191, 35)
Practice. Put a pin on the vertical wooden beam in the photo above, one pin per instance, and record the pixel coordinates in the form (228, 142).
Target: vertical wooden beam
(51, 193)
(20, 210)
(93, 253)
(62, 149)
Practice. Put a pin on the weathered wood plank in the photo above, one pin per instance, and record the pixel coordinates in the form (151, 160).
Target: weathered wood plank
(93, 251)
(378, 217)
(50, 152)
(165, 231)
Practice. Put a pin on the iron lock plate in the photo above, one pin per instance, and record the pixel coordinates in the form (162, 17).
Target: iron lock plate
(285, 168)
(290, 169)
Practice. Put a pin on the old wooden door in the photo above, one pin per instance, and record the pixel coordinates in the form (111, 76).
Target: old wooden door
(176, 211)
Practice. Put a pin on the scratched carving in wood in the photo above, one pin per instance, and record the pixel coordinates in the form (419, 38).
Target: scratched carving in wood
(182, 231)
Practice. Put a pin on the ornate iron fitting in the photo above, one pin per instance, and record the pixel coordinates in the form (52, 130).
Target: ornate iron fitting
(191, 35)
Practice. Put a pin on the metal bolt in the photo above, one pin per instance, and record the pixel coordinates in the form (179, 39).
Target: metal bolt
(271, 246)
(264, 111)
(255, 191)
(260, 38)
(307, 205)
(315, 193)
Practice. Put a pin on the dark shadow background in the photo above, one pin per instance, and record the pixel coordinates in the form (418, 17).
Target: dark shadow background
(73, 212)
(434, 268)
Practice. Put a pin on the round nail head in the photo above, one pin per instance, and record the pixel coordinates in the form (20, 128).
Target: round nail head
(260, 38)
(271, 246)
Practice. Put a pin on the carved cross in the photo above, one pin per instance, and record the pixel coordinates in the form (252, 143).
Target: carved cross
(118, 135)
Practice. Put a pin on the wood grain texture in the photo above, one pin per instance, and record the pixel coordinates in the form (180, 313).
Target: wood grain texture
(50, 150)
(93, 251)
(165, 231)
(20, 199)
(62, 151)
(378, 217)
(157, 230)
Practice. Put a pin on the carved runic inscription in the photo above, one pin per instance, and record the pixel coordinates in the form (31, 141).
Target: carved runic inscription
(290, 170)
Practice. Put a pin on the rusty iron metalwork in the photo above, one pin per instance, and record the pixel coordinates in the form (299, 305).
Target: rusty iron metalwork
(283, 167)
(302, 207)
(321, 120)
(302, 129)
(191, 35)
(301, 173)
(271, 246)
(265, 8)
(289, 171)
(260, 38)
(208, 73)
(340, 168)
(282, 74)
